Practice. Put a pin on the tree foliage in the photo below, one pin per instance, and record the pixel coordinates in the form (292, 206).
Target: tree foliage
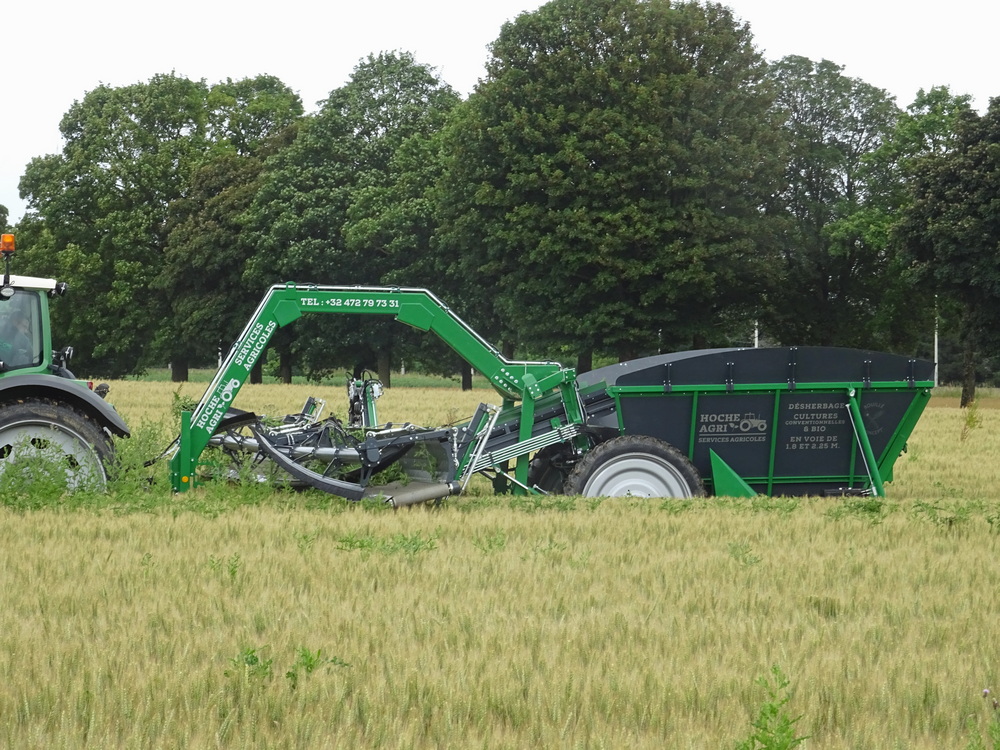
(321, 213)
(904, 315)
(951, 230)
(838, 201)
(612, 174)
(203, 262)
(630, 176)
(248, 113)
(128, 154)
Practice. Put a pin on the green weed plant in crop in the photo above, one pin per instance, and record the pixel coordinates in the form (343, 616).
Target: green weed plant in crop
(773, 728)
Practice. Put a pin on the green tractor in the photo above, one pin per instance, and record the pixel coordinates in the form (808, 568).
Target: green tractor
(45, 413)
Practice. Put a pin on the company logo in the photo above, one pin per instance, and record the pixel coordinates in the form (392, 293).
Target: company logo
(725, 424)
(874, 417)
(227, 391)
(735, 427)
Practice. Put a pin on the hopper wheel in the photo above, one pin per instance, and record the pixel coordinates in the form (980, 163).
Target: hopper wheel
(635, 466)
(48, 434)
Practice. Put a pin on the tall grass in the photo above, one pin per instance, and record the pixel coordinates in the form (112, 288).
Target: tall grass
(613, 624)
(243, 617)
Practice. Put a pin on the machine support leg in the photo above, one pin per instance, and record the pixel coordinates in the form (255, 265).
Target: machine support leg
(524, 433)
(871, 465)
(184, 473)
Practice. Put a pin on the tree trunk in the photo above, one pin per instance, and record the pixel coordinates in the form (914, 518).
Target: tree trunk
(968, 372)
(466, 370)
(507, 349)
(179, 371)
(385, 368)
(584, 361)
(257, 373)
(626, 353)
(285, 367)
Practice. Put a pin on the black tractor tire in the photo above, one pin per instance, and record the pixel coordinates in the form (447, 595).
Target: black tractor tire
(549, 469)
(635, 466)
(46, 428)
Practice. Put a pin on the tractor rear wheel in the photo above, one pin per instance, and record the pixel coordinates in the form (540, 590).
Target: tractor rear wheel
(634, 466)
(56, 434)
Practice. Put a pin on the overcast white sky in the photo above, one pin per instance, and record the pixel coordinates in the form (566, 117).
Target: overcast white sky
(54, 51)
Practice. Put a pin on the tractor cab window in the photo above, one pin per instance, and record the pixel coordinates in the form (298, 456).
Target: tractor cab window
(20, 331)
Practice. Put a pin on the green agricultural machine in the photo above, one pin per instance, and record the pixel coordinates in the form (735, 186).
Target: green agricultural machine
(777, 421)
(791, 421)
(44, 410)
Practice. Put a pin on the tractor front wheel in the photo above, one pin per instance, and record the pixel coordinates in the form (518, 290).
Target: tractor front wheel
(54, 437)
(634, 466)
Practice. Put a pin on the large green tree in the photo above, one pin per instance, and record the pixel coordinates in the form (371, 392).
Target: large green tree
(320, 198)
(839, 201)
(98, 211)
(204, 260)
(951, 231)
(907, 305)
(128, 152)
(611, 177)
(399, 220)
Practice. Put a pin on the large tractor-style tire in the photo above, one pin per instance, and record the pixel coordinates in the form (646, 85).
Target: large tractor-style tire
(47, 430)
(634, 466)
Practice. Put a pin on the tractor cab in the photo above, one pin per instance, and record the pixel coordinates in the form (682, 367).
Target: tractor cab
(21, 343)
(25, 340)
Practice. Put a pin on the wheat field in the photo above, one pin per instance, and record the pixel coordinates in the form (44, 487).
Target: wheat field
(283, 622)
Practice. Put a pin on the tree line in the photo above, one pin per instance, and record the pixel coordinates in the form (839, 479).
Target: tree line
(629, 177)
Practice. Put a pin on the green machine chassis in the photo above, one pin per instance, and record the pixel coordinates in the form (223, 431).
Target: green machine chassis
(515, 381)
(796, 421)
